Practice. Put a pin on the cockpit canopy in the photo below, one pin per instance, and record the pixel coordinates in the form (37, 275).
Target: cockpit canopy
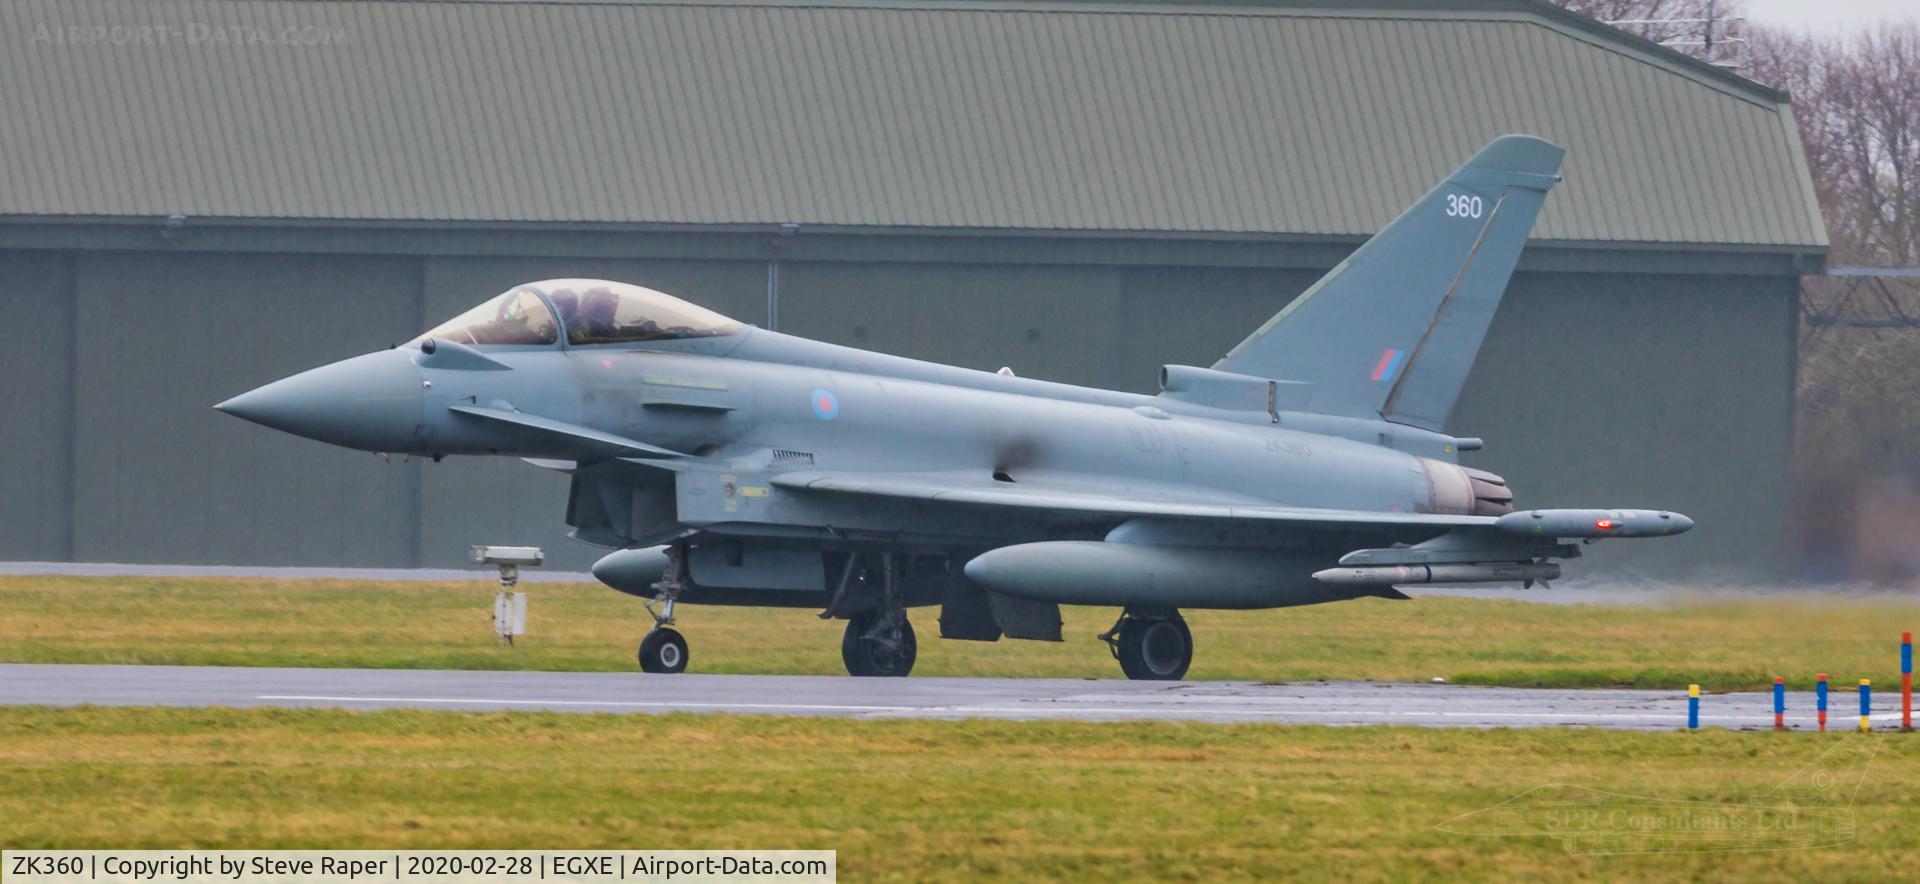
(590, 311)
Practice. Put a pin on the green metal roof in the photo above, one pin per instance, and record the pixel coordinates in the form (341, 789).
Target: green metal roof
(1280, 118)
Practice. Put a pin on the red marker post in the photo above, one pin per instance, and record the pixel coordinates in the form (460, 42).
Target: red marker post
(1906, 681)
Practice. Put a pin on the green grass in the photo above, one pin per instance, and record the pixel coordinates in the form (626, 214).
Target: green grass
(905, 799)
(1720, 644)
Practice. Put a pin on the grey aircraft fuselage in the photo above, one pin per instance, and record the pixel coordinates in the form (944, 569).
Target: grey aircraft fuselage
(727, 464)
(752, 404)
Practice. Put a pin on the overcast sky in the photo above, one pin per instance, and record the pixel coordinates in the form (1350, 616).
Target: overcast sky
(1827, 16)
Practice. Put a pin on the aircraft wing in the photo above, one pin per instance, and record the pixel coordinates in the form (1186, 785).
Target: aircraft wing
(1066, 495)
(1441, 538)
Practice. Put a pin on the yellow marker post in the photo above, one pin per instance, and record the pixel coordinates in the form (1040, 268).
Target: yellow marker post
(1866, 704)
(1693, 707)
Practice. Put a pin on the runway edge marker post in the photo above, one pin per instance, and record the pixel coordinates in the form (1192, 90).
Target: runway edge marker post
(1866, 705)
(1779, 703)
(1693, 707)
(1906, 681)
(1820, 700)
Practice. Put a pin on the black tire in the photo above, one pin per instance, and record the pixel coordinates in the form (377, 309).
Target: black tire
(663, 651)
(870, 658)
(1155, 649)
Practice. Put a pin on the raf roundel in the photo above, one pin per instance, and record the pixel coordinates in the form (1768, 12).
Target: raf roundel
(825, 405)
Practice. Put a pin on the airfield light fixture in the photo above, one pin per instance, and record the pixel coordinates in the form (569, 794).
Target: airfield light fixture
(509, 607)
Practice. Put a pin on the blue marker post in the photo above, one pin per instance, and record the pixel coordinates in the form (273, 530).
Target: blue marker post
(1779, 703)
(1693, 707)
(1866, 705)
(1821, 693)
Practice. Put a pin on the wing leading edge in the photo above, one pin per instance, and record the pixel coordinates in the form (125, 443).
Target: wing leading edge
(1066, 494)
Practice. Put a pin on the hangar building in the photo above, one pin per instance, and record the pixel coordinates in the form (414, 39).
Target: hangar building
(199, 196)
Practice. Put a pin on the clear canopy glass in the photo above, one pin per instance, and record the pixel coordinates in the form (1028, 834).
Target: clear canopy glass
(597, 311)
(517, 317)
(592, 311)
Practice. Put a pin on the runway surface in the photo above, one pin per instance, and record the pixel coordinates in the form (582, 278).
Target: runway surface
(949, 698)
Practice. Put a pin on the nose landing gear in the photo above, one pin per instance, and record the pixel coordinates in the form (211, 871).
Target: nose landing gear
(1151, 647)
(664, 649)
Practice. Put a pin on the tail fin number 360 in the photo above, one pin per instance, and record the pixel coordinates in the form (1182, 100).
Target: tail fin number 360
(1460, 205)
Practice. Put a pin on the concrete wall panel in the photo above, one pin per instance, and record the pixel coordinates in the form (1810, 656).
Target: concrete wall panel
(1657, 391)
(162, 477)
(36, 405)
(1044, 321)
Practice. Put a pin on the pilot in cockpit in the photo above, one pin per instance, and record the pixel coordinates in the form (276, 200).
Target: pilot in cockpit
(593, 311)
(597, 308)
(566, 302)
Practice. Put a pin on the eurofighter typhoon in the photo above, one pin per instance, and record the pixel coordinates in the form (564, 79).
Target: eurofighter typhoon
(731, 465)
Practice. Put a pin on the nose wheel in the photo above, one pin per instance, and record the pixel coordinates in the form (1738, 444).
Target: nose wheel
(664, 650)
(1151, 648)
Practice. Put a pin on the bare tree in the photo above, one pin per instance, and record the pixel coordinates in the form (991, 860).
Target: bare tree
(1857, 102)
(1708, 29)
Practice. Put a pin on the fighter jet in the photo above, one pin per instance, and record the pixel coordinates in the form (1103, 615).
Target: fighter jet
(731, 465)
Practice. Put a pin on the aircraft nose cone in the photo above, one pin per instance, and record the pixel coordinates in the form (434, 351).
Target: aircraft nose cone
(372, 402)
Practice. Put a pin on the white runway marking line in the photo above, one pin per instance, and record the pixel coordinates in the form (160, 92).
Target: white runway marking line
(637, 704)
(1005, 710)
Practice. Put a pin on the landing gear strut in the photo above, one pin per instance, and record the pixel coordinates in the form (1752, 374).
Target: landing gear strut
(664, 650)
(878, 641)
(1151, 647)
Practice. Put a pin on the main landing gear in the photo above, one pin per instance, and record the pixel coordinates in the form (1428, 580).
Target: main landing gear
(879, 640)
(664, 650)
(1151, 646)
(878, 643)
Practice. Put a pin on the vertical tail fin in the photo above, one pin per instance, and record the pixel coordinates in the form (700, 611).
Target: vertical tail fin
(1393, 330)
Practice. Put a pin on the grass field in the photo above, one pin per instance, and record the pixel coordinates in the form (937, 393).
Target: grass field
(1720, 644)
(908, 799)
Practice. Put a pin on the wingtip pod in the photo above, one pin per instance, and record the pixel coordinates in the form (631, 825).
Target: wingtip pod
(1593, 523)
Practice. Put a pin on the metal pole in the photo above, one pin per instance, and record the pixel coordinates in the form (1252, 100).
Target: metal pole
(773, 295)
(1707, 50)
(1906, 681)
